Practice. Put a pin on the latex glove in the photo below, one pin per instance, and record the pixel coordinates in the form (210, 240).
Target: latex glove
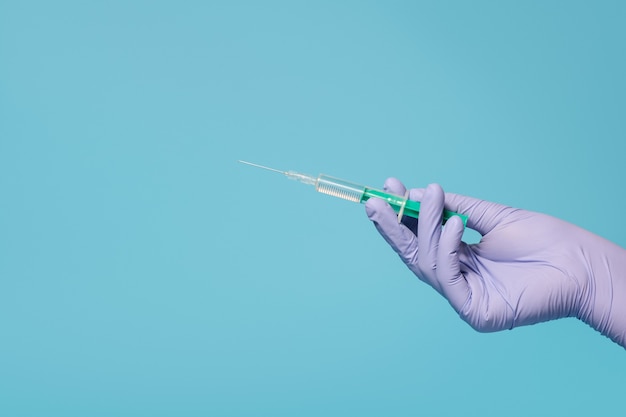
(527, 268)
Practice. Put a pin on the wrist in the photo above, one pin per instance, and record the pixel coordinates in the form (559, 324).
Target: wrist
(603, 306)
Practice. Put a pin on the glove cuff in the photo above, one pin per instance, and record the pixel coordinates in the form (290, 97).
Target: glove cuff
(604, 308)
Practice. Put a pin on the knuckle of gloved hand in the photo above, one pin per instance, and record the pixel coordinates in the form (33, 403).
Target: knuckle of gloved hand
(475, 321)
(470, 314)
(483, 325)
(487, 323)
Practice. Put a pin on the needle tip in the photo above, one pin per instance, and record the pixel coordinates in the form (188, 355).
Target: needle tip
(260, 166)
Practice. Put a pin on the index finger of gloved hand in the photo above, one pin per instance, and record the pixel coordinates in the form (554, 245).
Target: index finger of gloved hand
(429, 232)
(415, 194)
(394, 186)
(401, 239)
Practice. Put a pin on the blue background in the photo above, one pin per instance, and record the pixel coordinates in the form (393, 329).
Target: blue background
(144, 272)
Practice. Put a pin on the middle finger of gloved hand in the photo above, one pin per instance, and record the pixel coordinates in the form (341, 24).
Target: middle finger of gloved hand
(415, 194)
(429, 233)
(395, 186)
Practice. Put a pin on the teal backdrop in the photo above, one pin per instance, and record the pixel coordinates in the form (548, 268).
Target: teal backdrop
(144, 272)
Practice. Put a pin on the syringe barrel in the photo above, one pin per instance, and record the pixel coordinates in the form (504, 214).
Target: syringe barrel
(337, 187)
(357, 193)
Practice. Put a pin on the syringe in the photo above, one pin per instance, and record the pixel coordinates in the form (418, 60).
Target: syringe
(359, 193)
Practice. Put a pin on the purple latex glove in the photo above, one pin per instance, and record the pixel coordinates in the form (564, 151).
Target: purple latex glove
(527, 268)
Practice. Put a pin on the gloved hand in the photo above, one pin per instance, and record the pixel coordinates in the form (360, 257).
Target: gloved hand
(527, 268)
